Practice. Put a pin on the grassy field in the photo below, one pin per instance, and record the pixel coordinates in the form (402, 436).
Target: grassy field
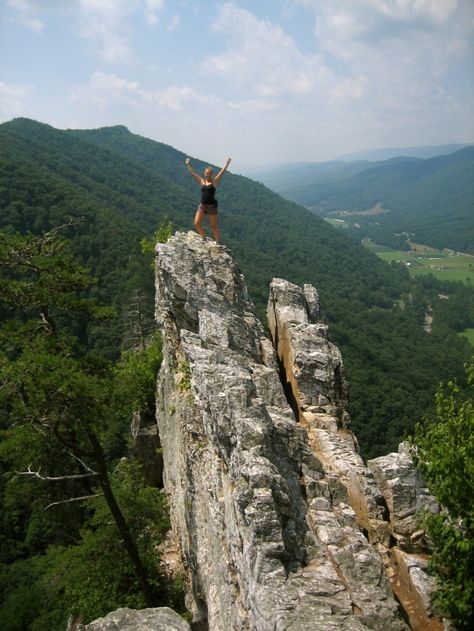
(469, 333)
(422, 259)
(443, 264)
(337, 223)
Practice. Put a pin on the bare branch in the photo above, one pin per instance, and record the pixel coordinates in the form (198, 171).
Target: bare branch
(82, 463)
(72, 222)
(47, 478)
(73, 499)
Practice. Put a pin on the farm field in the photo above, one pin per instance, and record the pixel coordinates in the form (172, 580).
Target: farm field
(421, 259)
(469, 333)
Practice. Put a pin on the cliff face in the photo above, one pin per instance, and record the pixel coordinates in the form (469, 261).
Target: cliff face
(279, 524)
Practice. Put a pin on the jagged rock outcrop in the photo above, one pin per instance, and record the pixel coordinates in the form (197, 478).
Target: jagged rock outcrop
(407, 497)
(389, 494)
(261, 510)
(312, 367)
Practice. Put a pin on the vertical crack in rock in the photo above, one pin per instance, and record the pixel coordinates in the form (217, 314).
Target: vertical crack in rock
(262, 506)
(313, 366)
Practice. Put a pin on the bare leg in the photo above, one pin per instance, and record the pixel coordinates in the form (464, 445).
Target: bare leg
(215, 228)
(198, 217)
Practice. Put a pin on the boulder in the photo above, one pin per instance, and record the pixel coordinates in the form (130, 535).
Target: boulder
(156, 619)
(406, 496)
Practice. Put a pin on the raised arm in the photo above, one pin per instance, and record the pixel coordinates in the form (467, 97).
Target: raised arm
(198, 179)
(222, 171)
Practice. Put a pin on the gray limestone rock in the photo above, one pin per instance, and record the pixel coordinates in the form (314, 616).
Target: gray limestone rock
(159, 619)
(406, 496)
(268, 539)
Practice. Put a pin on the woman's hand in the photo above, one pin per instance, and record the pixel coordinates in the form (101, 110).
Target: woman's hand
(187, 162)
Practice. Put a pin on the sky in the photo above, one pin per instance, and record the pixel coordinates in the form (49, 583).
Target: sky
(261, 81)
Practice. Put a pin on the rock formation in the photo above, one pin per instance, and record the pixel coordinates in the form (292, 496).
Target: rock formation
(277, 523)
(159, 619)
(280, 524)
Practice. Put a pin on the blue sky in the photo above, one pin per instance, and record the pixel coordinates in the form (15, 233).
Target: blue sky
(261, 81)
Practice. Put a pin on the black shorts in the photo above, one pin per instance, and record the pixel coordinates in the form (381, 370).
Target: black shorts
(207, 209)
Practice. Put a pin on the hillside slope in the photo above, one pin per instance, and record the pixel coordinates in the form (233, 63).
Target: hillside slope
(431, 198)
(124, 185)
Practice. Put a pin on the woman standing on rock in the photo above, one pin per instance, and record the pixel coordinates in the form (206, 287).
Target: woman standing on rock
(208, 204)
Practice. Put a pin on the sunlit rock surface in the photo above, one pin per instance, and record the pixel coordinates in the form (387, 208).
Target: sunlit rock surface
(159, 619)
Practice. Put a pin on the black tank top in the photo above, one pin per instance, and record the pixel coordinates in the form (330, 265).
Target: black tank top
(207, 194)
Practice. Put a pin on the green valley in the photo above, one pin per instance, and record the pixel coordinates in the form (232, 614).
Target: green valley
(429, 200)
(421, 259)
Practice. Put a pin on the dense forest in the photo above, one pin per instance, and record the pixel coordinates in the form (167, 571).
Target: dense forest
(427, 200)
(107, 192)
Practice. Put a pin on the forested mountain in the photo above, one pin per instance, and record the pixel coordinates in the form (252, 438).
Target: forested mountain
(432, 200)
(123, 185)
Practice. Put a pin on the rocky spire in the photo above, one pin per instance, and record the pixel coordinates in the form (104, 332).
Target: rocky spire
(266, 530)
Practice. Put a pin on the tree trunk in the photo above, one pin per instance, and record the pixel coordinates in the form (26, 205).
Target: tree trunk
(119, 519)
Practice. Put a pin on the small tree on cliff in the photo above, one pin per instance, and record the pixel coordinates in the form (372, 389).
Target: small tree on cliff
(445, 455)
(66, 396)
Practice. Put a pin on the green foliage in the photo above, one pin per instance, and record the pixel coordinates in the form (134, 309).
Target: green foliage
(184, 374)
(60, 407)
(134, 392)
(445, 456)
(26, 528)
(95, 576)
(27, 604)
(92, 576)
(135, 375)
(164, 232)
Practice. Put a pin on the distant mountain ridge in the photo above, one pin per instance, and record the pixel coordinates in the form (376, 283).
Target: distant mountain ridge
(431, 199)
(424, 151)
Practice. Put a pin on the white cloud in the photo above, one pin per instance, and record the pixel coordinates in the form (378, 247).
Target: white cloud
(433, 10)
(107, 23)
(104, 22)
(13, 100)
(152, 9)
(108, 90)
(377, 71)
(363, 72)
(174, 23)
(261, 58)
(254, 105)
(403, 49)
(27, 11)
(353, 88)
